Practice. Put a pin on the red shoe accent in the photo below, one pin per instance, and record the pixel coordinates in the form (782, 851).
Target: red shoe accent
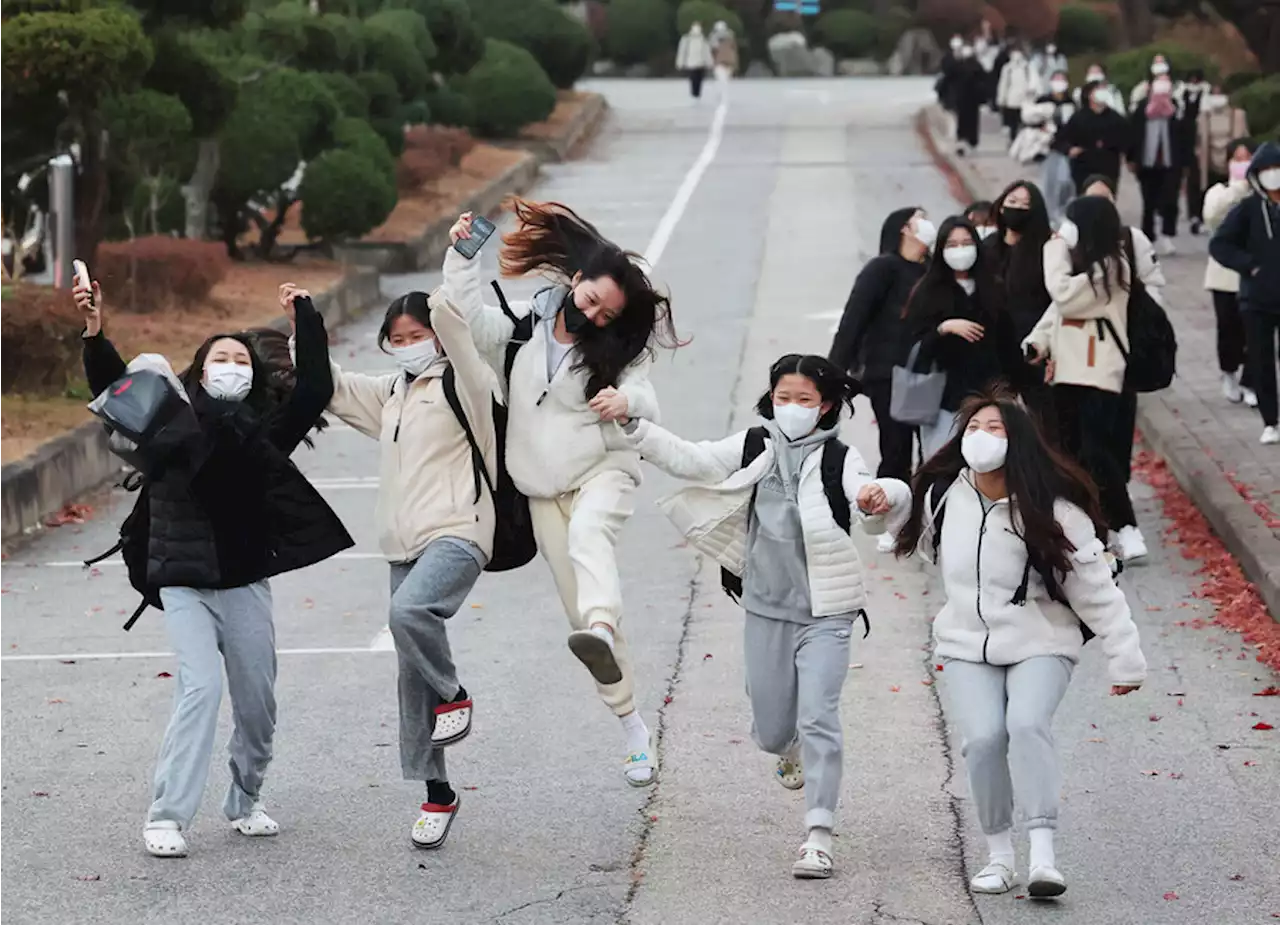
(450, 707)
(438, 808)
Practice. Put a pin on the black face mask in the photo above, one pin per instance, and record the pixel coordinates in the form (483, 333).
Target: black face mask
(574, 320)
(1015, 218)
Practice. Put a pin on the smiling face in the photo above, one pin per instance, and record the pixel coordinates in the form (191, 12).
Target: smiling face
(227, 350)
(601, 299)
(989, 419)
(407, 331)
(795, 389)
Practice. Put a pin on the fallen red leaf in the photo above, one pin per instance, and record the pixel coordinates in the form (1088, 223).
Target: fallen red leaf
(70, 514)
(56, 700)
(1153, 718)
(1151, 773)
(707, 656)
(937, 667)
(667, 699)
(164, 674)
(927, 681)
(470, 788)
(39, 793)
(1170, 895)
(895, 688)
(1263, 727)
(1236, 877)
(1176, 775)
(89, 877)
(653, 818)
(1251, 764)
(1271, 691)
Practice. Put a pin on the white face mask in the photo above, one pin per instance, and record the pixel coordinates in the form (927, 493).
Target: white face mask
(985, 231)
(415, 358)
(1052, 49)
(984, 452)
(796, 421)
(228, 381)
(1069, 232)
(1270, 178)
(1058, 86)
(1159, 68)
(926, 233)
(960, 258)
(1095, 77)
(956, 42)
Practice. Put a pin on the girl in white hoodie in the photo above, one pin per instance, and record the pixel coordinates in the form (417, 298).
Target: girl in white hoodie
(435, 518)
(774, 506)
(575, 360)
(1027, 582)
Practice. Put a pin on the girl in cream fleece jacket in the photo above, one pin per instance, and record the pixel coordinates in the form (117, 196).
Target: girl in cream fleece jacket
(1027, 581)
(583, 368)
(775, 510)
(435, 520)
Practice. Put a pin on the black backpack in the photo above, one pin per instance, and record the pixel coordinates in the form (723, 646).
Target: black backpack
(513, 541)
(831, 469)
(1151, 360)
(135, 534)
(937, 504)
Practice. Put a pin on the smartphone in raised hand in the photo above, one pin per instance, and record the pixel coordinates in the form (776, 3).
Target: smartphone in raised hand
(82, 274)
(481, 230)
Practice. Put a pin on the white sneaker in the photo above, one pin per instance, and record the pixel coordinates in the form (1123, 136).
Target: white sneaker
(1165, 246)
(1231, 390)
(886, 542)
(256, 822)
(996, 877)
(1250, 397)
(1045, 883)
(1132, 545)
(1269, 436)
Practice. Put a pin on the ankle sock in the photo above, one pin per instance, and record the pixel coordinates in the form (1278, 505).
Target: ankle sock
(1000, 847)
(636, 731)
(440, 793)
(1042, 847)
(604, 633)
(820, 838)
(461, 696)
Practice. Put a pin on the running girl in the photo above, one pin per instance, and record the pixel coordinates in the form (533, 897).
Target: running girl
(580, 363)
(435, 519)
(773, 506)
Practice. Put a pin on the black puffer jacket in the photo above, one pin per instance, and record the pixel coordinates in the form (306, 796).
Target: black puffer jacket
(1248, 240)
(227, 507)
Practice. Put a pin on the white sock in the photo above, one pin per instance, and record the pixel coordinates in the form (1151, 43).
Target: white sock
(1041, 847)
(637, 733)
(1000, 847)
(604, 633)
(820, 839)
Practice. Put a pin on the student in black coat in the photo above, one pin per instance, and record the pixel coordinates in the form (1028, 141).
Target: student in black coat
(969, 92)
(948, 320)
(871, 328)
(221, 510)
(1096, 138)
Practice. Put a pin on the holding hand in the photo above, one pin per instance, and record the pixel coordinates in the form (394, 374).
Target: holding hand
(969, 330)
(461, 228)
(1119, 690)
(90, 304)
(288, 292)
(873, 500)
(1075, 151)
(611, 405)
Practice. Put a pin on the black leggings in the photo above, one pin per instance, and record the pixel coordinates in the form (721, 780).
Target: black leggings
(1092, 425)
(1261, 329)
(1159, 198)
(895, 438)
(1231, 339)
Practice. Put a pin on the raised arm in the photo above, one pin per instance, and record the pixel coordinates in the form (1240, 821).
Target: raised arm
(313, 379)
(476, 380)
(102, 364)
(708, 462)
(490, 327)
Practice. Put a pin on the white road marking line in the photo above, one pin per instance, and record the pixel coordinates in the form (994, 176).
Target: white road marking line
(110, 562)
(833, 317)
(383, 641)
(662, 234)
(104, 656)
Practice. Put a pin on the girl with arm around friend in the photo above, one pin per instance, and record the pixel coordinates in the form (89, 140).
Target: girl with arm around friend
(1016, 531)
(774, 506)
(575, 360)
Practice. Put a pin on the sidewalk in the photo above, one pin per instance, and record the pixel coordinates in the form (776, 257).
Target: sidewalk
(1210, 445)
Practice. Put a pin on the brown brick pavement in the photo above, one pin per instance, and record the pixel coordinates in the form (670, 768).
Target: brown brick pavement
(1210, 445)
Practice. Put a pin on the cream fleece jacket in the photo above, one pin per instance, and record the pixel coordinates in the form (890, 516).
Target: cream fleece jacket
(555, 442)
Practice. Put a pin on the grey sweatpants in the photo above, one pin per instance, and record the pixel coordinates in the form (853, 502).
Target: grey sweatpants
(424, 594)
(1005, 719)
(794, 676)
(236, 623)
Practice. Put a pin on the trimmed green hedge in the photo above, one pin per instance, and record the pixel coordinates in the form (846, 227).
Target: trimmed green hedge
(708, 13)
(507, 90)
(639, 30)
(1260, 101)
(847, 33)
(1083, 29)
(344, 196)
(559, 43)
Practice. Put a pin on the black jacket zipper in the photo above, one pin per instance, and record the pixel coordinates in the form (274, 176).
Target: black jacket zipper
(982, 532)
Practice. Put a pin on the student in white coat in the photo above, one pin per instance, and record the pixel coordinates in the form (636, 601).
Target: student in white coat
(774, 506)
(435, 519)
(575, 360)
(1018, 85)
(694, 57)
(1027, 583)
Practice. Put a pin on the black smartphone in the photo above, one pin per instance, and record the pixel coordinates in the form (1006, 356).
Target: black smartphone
(481, 229)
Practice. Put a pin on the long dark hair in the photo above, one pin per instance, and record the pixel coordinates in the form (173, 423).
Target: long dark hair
(832, 383)
(1037, 475)
(554, 240)
(1017, 270)
(1101, 242)
(934, 295)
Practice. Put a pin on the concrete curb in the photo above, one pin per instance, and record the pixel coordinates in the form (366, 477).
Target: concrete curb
(78, 462)
(1242, 531)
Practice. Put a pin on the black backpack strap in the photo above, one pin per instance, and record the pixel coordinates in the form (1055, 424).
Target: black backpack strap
(89, 563)
(479, 470)
(752, 446)
(502, 302)
(520, 336)
(834, 455)
(938, 508)
(866, 621)
(128, 624)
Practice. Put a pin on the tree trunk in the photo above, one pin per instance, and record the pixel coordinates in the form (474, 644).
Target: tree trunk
(197, 189)
(1139, 23)
(91, 190)
(153, 204)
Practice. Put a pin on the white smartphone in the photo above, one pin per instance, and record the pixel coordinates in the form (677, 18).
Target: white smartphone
(82, 274)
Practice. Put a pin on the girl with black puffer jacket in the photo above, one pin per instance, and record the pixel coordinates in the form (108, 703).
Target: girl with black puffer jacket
(221, 511)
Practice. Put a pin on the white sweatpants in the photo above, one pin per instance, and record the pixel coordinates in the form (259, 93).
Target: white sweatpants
(577, 533)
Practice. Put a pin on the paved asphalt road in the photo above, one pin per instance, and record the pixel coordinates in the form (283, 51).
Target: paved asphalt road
(759, 263)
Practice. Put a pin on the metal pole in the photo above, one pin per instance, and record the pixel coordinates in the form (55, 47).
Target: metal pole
(62, 218)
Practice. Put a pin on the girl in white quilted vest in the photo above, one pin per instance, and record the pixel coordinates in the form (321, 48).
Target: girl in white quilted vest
(578, 357)
(774, 505)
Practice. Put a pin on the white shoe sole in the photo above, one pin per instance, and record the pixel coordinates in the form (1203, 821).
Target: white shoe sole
(1045, 889)
(596, 654)
(439, 842)
(804, 872)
